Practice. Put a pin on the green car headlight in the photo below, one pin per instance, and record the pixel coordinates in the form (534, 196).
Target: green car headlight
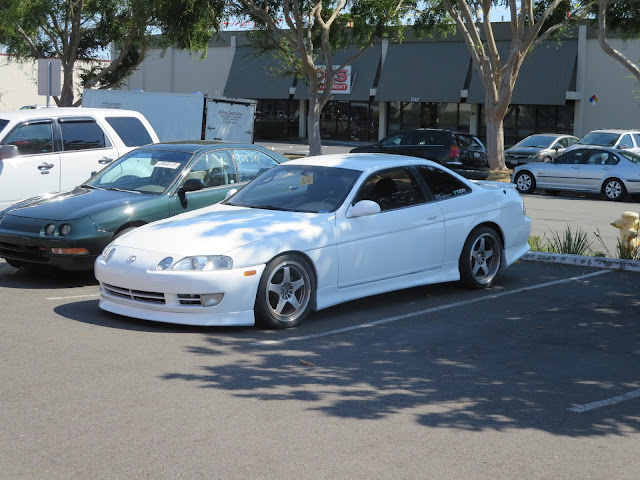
(204, 263)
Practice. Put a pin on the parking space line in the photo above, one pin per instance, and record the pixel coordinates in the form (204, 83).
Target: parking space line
(73, 296)
(603, 403)
(428, 310)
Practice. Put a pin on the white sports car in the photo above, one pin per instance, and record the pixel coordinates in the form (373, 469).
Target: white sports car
(312, 233)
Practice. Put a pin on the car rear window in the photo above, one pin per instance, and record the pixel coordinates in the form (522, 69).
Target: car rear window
(81, 135)
(605, 139)
(131, 130)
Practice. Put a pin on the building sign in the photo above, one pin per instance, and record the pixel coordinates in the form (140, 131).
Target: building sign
(341, 79)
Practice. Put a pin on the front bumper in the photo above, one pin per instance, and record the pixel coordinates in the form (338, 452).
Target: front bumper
(37, 250)
(174, 296)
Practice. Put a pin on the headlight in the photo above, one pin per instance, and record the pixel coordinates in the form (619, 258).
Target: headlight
(108, 252)
(164, 264)
(65, 229)
(204, 263)
(49, 229)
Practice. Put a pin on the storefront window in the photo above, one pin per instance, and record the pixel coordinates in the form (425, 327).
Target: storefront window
(276, 119)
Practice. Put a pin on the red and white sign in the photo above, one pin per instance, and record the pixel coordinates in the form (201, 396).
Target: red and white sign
(341, 79)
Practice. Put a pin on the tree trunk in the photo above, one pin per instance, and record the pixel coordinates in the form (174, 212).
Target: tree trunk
(495, 137)
(313, 126)
(67, 94)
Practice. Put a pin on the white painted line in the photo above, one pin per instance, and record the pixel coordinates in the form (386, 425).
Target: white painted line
(604, 403)
(73, 296)
(429, 310)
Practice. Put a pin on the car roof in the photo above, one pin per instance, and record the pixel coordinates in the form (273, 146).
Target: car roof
(203, 145)
(614, 130)
(360, 161)
(32, 113)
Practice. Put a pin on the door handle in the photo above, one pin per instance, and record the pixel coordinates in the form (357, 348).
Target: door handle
(433, 218)
(575, 168)
(105, 160)
(45, 166)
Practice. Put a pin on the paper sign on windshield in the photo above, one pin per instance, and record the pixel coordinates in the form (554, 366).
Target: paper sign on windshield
(306, 180)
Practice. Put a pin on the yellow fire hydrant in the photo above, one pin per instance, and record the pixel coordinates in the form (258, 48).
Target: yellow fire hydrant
(629, 226)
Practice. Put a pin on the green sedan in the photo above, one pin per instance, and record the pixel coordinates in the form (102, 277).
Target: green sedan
(68, 230)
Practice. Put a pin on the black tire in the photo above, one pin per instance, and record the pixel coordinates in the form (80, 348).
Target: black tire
(119, 233)
(16, 263)
(286, 292)
(525, 182)
(613, 189)
(480, 258)
(546, 159)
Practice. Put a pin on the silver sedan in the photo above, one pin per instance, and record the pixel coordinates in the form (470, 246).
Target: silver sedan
(609, 171)
(541, 147)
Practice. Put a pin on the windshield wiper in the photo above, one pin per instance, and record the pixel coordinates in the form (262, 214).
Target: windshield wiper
(84, 185)
(114, 189)
(269, 207)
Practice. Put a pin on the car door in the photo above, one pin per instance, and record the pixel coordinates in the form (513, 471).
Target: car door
(595, 167)
(36, 170)
(561, 173)
(217, 171)
(86, 149)
(406, 237)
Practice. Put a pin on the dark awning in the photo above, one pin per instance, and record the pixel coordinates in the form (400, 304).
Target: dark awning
(363, 74)
(545, 76)
(424, 72)
(256, 76)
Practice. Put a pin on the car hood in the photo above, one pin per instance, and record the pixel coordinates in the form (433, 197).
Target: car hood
(523, 150)
(73, 204)
(219, 229)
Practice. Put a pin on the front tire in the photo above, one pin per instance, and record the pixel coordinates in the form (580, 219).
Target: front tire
(525, 183)
(286, 292)
(480, 258)
(614, 189)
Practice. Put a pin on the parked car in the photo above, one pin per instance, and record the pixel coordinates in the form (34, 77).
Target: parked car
(621, 139)
(609, 171)
(462, 152)
(53, 149)
(68, 230)
(312, 233)
(541, 147)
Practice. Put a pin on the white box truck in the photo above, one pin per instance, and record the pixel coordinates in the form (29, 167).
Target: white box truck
(183, 116)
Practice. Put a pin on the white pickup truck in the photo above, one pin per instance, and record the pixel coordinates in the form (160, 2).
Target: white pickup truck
(53, 149)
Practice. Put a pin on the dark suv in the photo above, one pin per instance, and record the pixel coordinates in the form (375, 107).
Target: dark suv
(459, 151)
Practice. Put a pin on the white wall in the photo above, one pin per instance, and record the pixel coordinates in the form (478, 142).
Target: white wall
(19, 84)
(179, 71)
(618, 92)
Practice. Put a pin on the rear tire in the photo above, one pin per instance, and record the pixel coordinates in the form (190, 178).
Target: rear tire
(480, 258)
(286, 292)
(525, 182)
(614, 189)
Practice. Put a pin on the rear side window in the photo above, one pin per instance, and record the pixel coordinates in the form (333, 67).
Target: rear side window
(131, 130)
(3, 123)
(82, 136)
(31, 139)
(442, 184)
(252, 163)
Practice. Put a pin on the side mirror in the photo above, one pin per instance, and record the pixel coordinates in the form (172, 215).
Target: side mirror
(231, 192)
(191, 185)
(623, 146)
(363, 208)
(557, 147)
(8, 151)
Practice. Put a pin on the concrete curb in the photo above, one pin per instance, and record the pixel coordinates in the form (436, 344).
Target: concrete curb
(578, 260)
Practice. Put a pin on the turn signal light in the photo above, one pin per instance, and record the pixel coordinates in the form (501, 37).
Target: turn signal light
(69, 251)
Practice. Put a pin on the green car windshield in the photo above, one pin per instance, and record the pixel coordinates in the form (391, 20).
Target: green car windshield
(143, 171)
(297, 188)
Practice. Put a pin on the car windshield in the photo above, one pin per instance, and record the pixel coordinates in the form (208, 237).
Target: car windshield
(3, 123)
(606, 139)
(143, 171)
(297, 188)
(632, 157)
(538, 141)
